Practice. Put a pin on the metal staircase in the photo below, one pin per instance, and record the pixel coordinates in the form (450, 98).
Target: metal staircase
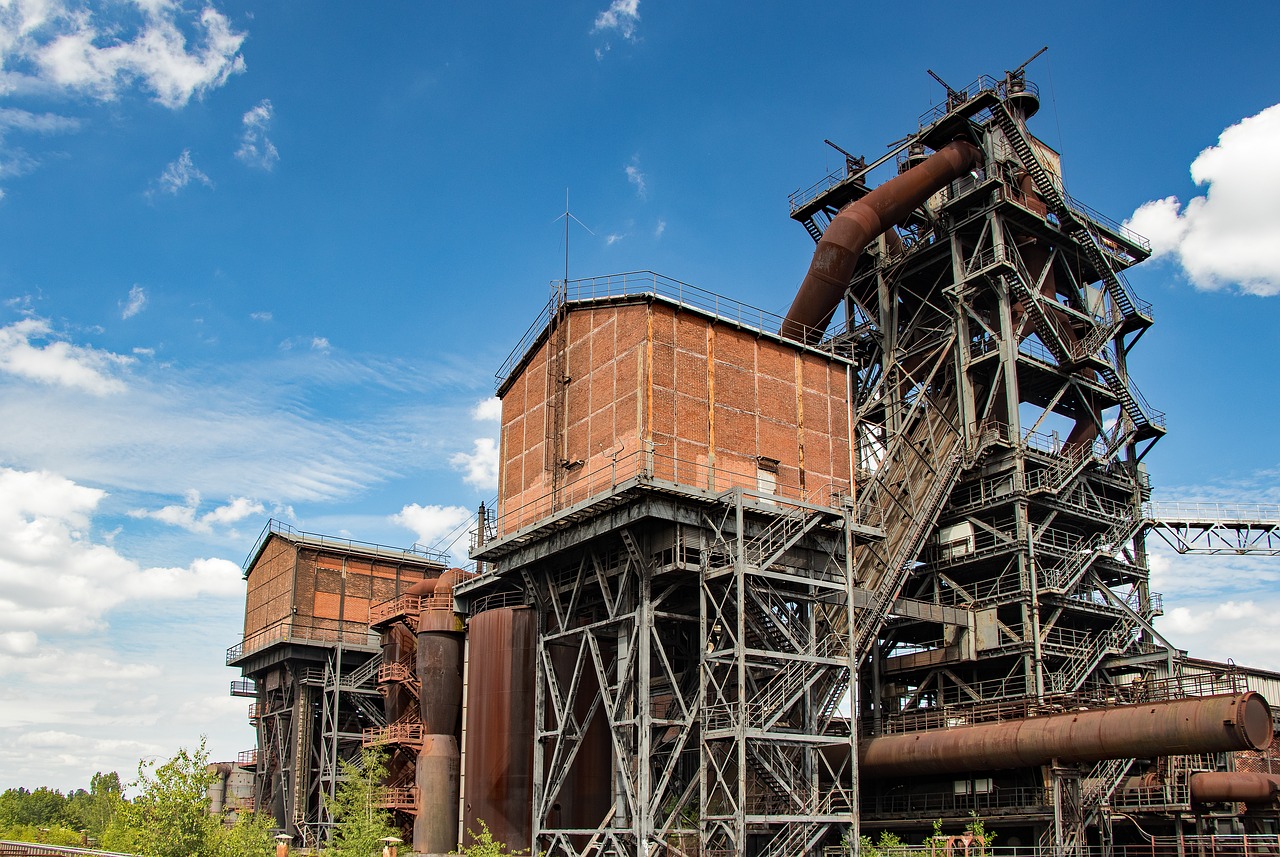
(904, 496)
(1064, 578)
(1072, 674)
(1070, 221)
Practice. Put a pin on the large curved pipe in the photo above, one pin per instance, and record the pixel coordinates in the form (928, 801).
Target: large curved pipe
(1234, 786)
(1210, 724)
(857, 225)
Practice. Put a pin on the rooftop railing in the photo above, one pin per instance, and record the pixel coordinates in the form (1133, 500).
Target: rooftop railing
(307, 629)
(646, 284)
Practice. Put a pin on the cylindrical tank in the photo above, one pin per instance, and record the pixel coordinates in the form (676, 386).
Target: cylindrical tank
(499, 723)
(1234, 786)
(218, 788)
(439, 672)
(397, 647)
(435, 828)
(1210, 724)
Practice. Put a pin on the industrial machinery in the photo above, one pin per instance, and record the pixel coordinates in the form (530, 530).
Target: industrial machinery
(759, 585)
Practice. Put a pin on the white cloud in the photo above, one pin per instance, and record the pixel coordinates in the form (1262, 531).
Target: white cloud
(185, 515)
(135, 303)
(57, 362)
(1227, 236)
(256, 149)
(660, 228)
(321, 344)
(54, 576)
(180, 173)
(12, 118)
(621, 17)
(487, 410)
(479, 467)
(68, 48)
(433, 523)
(613, 238)
(260, 316)
(637, 178)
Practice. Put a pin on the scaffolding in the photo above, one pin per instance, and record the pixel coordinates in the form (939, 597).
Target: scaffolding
(310, 663)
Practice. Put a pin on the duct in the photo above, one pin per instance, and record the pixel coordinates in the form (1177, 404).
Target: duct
(1210, 724)
(1234, 787)
(857, 225)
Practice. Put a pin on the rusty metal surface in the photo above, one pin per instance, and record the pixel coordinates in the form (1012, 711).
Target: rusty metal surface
(857, 225)
(1209, 724)
(398, 645)
(499, 763)
(1234, 786)
(435, 824)
(440, 674)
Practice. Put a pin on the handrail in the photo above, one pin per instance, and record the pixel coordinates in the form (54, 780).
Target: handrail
(306, 629)
(278, 527)
(1213, 512)
(647, 284)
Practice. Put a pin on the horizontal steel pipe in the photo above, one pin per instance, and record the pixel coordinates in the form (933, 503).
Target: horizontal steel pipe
(1208, 724)
(861, 222)
(1234, 786)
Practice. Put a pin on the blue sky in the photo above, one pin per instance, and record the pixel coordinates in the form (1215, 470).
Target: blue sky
(263, 259)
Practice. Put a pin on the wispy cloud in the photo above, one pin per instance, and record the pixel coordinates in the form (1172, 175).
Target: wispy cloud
(256, 149)
(13, 119)
(65, 45)
(186, 515)
(621, 17)
(613, 238)
(134, 303)
(260, 316)
(29, 349)
(181, 173)
(660, 228)
(1228, 236)
(637, 178)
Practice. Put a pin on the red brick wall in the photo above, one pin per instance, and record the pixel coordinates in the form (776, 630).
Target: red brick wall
(711, 398)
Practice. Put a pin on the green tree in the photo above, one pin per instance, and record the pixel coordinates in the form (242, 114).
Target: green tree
(94, 809)
(43, 807)
(250, 837)
(169, 817)
(359, 819)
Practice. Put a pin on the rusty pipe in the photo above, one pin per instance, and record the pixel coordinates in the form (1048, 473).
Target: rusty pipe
(1234, 786)
(857, 225)
(1210, 724)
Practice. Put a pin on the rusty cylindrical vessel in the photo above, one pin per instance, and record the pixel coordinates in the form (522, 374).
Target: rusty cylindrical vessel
(500, 727)
(857, 225)
(1210, 724)
(1234, 786)
(439, 670)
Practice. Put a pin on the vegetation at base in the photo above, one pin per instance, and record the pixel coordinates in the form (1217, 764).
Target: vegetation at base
(360, 822)
(168, 816)
(484, 845)
(47, 815)
(890, 845)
